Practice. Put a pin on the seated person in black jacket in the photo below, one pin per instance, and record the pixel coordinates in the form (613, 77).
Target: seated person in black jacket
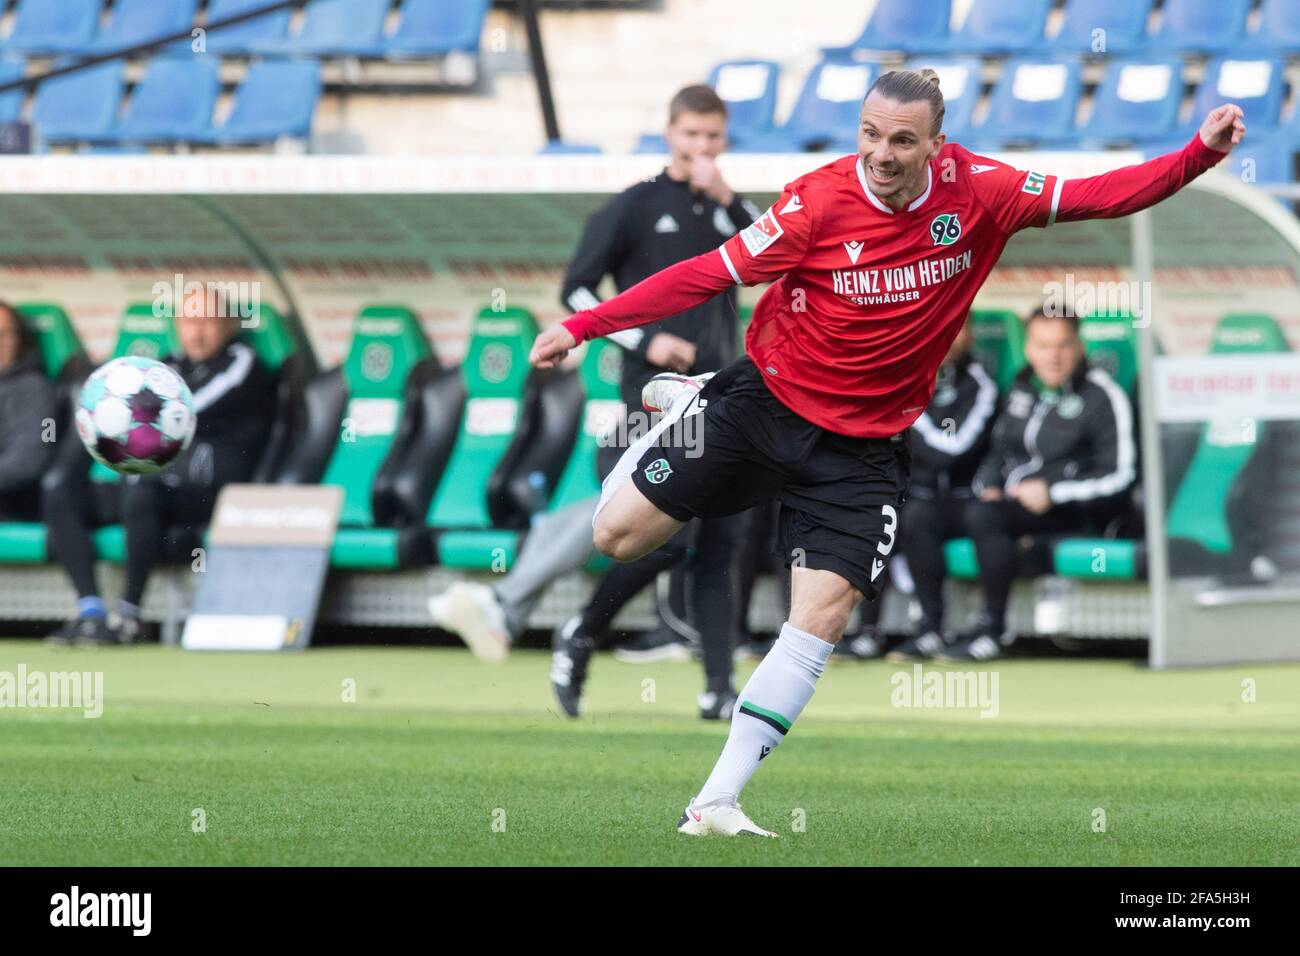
(27, 412)
(948, 443)
(1062, 459)
(234, 399)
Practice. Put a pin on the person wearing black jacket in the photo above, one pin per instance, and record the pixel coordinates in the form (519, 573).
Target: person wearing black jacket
(684, 211)
(234, 399)
(948, 442)
(27, 412)
(1063, 458)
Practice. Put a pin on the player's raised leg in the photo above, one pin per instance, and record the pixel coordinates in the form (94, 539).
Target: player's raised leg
(772, 699)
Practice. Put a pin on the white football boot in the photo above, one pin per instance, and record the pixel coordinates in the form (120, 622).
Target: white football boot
(664, 389)
(471, 611)
(719, 819)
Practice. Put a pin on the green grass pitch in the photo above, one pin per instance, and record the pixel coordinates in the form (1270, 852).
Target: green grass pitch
(442, 760)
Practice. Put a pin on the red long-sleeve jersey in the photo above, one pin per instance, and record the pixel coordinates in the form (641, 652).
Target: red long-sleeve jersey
(865, 300)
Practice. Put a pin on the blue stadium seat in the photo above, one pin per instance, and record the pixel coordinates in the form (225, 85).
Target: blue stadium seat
(1263, 159)
(558, 147)
(1137, 101)
(1002, 26)
(1104, 26)
(436, 27)
(1033, 102)
(829, 104)
(1278, 30)
(906, 25)
(650, 143)
(11, 103)
(748, 87)
(959, 81)
(1208, 26)
(277, 98)
(132, 22)
(1256, 85)
(238, 39)
(79, 106)
(173, 102)
(336, 28)
(44, 27)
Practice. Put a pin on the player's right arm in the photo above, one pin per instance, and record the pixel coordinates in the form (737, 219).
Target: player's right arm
(773, 245)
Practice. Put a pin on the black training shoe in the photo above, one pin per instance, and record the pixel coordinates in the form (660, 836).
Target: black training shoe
(98, 632)
(867, 646)
(982, 645)
(571, 651)
(77, 630)
(922, 647)
(716, 705)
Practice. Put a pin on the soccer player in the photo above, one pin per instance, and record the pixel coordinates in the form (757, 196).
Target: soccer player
(234, 399)
(1063, 458)
(876, 259)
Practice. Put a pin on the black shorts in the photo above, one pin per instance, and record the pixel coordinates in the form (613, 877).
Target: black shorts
(737, 446)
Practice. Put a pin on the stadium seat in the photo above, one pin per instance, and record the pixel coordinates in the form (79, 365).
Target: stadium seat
(1215, 519)
(11, 103)
(748, 87)
(289, 359)
(902, 25)
(172, 102)
(387, 345)
(1001, 27)
(828, 106)
(1034, 102)
(999, 343)
(238, 39)
(959, 81)
(79, 106)
(132, 22)
(436, 28)
(1137, 101)
(557, 147)
(1278, 30)
(42, 27)
(1268, 159)
(1205, 26)
(1103, 26)
(650, 143)
(1110, 343)
(1256, 85)
(277, 98)
(335, 28)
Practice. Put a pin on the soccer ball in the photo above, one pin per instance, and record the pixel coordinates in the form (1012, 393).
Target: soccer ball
(135, 415)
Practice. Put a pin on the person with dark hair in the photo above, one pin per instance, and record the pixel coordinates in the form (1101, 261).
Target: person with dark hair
(948, 442)
(234, 400)
(682, 212)
(1063, 457)
(27, 417)
(874, 260)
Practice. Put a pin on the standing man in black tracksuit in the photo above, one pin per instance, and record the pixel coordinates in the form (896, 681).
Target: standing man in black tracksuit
(1063, 458)
(685, 211)
(948, 442)
(234, 400)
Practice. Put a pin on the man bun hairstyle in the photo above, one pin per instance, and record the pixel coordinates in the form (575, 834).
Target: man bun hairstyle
(913, 86)
(699, 98)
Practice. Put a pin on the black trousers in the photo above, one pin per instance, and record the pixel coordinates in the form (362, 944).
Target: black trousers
(924, 527)
(150, 506)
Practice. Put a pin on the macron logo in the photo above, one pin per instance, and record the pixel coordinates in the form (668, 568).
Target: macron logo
(102, 909)
(854, 249)
(976, 169)
(794, 205)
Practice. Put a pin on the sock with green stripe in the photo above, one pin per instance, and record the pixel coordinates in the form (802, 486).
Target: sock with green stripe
(769, 703)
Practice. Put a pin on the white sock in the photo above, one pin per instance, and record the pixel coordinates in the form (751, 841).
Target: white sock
(768, 705)
(627, 462)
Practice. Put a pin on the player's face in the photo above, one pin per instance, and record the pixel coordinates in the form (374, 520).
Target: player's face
(895, 144)
(696, 134)
(1052, 350)
(8, 338)
(201, 334)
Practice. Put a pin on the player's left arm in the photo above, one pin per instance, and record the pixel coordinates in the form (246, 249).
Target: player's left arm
(1133, 188)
